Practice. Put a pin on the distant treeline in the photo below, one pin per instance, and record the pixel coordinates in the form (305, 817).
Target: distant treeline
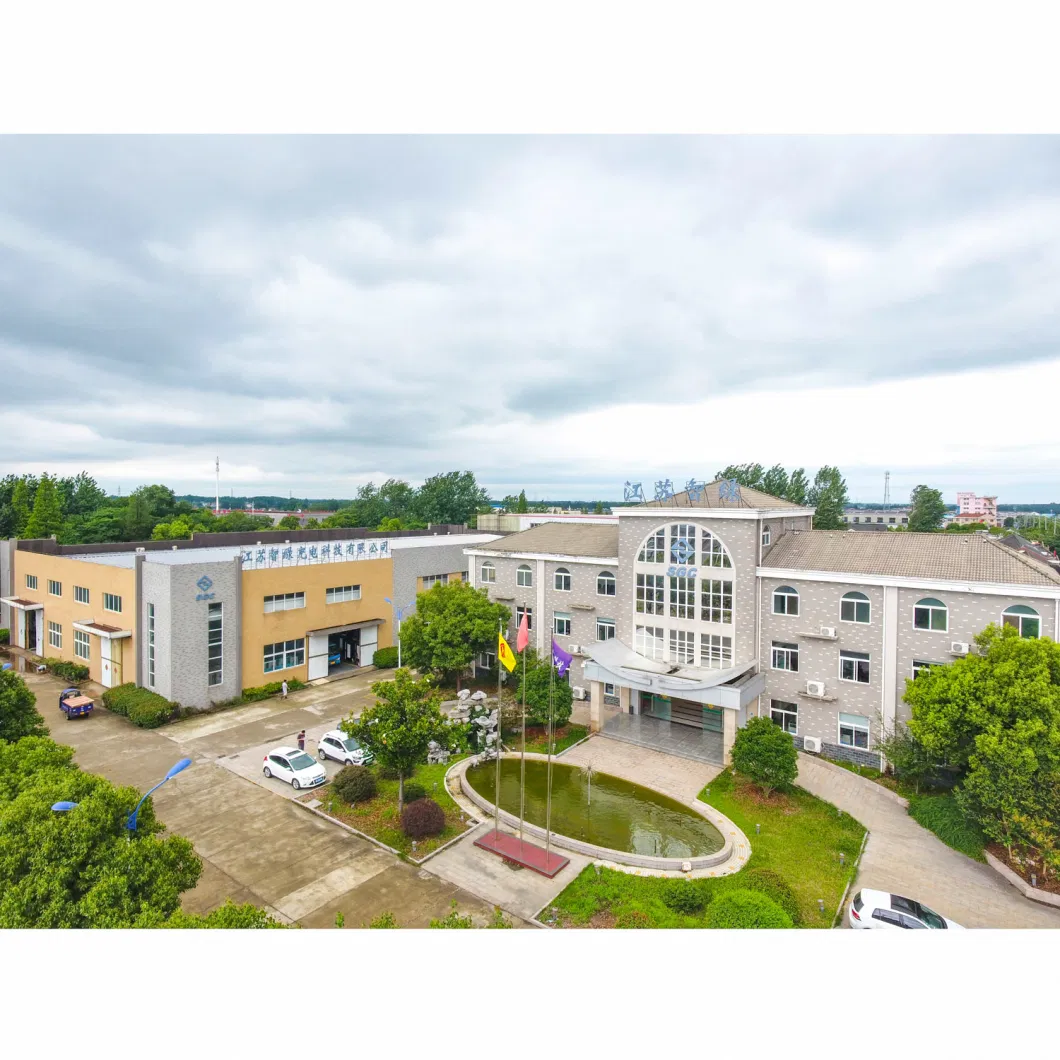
(283, 504)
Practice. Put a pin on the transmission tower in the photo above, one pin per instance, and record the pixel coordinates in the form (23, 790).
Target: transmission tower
(886, 487)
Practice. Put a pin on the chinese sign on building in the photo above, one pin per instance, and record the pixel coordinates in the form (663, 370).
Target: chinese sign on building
(263, 557)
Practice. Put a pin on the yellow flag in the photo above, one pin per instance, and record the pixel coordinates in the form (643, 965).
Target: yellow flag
(504, 653)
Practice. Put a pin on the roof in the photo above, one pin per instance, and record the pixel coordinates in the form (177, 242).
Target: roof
(711, 497)
(949, 557)
(562, 539)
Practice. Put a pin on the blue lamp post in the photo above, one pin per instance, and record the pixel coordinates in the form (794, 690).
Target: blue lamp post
(64, 807)
(183, 764)
(400, 613)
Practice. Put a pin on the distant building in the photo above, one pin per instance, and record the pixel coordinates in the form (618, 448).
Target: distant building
(1034, 549)
(875, 518)
(513, 522)
(973, 509)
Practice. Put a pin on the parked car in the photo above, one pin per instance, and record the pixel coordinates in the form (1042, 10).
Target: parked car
(339, 747)
(878, 909)
(295, 767)
(74, 703)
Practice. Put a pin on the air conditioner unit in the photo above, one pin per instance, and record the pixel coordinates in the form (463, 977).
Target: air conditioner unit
(959, 647)
(827, 631)
(574, 649)
(579, 692)
(812, 743)
(815, 688)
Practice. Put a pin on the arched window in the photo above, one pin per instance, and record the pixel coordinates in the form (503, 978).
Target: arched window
(855, 607)
(766, 537)
(562, 581)
(1023, 619)
(930, 613)
(605, 583)
(785, 601)
(524, 576)
(683, 543)
(654, 549)
(715, 554)
(489, 573)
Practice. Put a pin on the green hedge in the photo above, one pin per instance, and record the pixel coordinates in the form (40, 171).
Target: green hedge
(68, 671)
(746, 909)
(5, 636)
(385, 658)
(141, 706)
(273, 688)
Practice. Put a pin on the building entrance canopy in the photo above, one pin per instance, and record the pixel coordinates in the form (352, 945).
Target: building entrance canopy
(21, 605)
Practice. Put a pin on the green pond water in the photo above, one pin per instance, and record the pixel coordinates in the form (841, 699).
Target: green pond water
(619, 815)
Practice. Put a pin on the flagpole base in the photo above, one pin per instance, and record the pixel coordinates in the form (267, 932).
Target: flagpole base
(524, 853)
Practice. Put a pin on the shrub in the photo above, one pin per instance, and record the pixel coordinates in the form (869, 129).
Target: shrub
(68, 671)
(5, 636)
(683, 896)
(385, 658)
(422, 818)
(413, 791)
(633, 918)
(764, 753)
(354, 784)
(273, 688)
(453, 919)
(774, 886)
(384, 920)
(141, 706)
(742, 908)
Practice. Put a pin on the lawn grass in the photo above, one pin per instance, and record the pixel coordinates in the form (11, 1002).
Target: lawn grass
(801, 839)
(565, 737)
(379, 816)
(939, 813)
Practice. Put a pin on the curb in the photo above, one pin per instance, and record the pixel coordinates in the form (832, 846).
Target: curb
(872, 785)
(853, 874)
(1021, 885)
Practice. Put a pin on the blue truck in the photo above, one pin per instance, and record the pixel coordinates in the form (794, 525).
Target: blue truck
(74, 704)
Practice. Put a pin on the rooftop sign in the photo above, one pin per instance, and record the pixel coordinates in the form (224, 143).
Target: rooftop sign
(264, 557)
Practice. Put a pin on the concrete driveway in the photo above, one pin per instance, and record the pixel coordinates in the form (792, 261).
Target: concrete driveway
(257, 847)
(904, 858)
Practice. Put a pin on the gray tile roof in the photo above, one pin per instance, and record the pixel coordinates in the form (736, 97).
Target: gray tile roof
(564, 539)
(711, 498)
(948, 557)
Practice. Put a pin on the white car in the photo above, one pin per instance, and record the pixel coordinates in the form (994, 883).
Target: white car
(340, 747)
(294, 766)
(879, 909)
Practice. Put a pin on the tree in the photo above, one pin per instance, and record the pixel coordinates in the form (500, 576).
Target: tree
(450, 498)
(290, 522)
(928, 509)
(139, 520)
(388, 526)
(450, 626)
(765, 754)
(775, 482)
(47, 516)
(1009, 521)
(401, 725)
(828, 496)
(81, 495)
(749, 475)
(798, 487)
(908, 757)
(20, 504)
(538, 675)
(228, 917)
(18, 709)
(104, 524)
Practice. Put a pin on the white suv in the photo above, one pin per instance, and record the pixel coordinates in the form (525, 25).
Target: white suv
(342, 748)
(295, 767)
(878, 909)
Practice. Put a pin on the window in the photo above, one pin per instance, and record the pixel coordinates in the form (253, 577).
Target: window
(529, 612)
(214, 644)
(609, 689)
(561, 625)
(891, 520)
(284, 654)
(524, 577)
(605, 629)
(717, 601)
(857, 518)
(431, 580)
(714, 552)
(682, 597)
(562, 580)
(853, 731)
(682, 646)
(151, 645)
(785, 601)
(464, 575)
(785, 656)
(55, 588)
(854, 666)
(1023, 619)
(284, 602)
(489, 573)
(654, 549)
(487, 660)
(341, 594)
(55, 634)
(854, 607)
(682, 543)
(648, 641)
(786, 715)
(930, 614)
(111, 602)
(650, 594)
(766, 537)
(31, 581)
(919, 667)
(605, 583)
(80, 594)
(81, 644)
(715, 651)
(879, 518)
(905, 518)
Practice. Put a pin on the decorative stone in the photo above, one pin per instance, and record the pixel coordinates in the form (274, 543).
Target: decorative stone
(686, 866)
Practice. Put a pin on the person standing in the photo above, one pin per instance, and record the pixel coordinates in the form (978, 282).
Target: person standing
(301, 740)
(283, 689)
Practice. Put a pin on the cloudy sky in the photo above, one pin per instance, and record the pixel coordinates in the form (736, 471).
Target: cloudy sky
(559, 314)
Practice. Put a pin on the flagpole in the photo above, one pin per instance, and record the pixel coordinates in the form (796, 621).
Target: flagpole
(548, 737)
(500, 725)
(522, 752)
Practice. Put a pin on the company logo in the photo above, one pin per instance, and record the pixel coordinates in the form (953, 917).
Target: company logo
(204, 584)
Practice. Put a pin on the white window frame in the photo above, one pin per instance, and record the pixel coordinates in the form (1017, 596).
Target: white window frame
(683, 647)
(288, 652)
(685, 532)
(55, 635)
(715, 651)
(609, 689)
(856, 600)
(714, 552)
(524, 576)
(649, 642)
(109, 599)
(431, 580)
(561, 618)
(786, 711)
(487, 660)
(1021, 617)
(854, 728)
(650, 596)
(682, 597)
(608, 625)
(933, 607)
(488, 572)
(284, 602)
(82, 645)
(528, 610)
(766, 537)
(716, 603)
(151, 645)
(787, 594)
(31, 581)
(214, 639)
(560, 576)
(856, 657)
(81, 595)
(782, 655)
(919, 665)
(654, 548)
(342, 594)
(606, 579)
(55, 588)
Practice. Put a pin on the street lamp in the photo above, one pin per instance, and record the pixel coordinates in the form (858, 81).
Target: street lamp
(63, 807)
(400, 614)
(130, 824)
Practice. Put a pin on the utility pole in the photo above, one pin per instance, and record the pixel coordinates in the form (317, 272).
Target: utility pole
(886, 487)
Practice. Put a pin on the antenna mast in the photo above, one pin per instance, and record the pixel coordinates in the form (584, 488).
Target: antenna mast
(886, 487)
(217, 495)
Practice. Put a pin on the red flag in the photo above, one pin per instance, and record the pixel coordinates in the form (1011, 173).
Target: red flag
(523, 637)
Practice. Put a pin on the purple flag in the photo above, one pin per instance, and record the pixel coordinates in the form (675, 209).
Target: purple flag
(561, 659)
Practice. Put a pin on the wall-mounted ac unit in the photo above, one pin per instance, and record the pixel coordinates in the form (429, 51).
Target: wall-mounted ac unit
(812, 743)
(827, 631)
(574, 649)
(959, 647)
(579, 692)
(815, 688)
